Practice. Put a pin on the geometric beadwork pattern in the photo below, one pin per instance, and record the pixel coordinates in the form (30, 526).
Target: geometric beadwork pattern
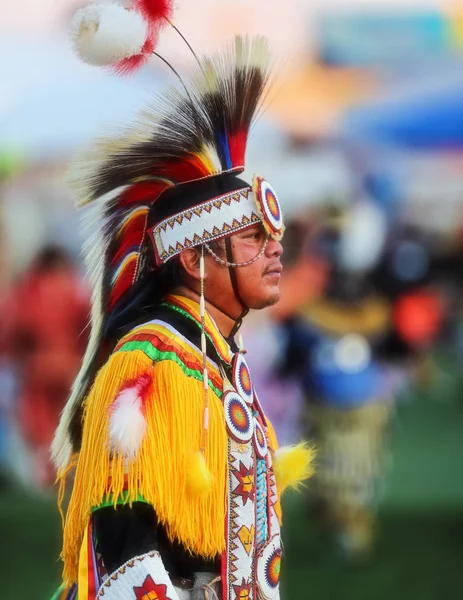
(241, 378)
(241, 525)
(238, 417)
(211, 220)
(251, 562)
(260, 440)
(269, 207)
(268, 569)
(139, 578)
(274, 523)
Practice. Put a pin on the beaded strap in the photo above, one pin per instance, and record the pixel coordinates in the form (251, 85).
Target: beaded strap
(242, 264)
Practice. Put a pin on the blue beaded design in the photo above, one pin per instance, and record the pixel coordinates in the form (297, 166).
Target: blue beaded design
(261, 502)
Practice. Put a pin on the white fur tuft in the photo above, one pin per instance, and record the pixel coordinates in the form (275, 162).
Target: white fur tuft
(127, 423)
(105, 33)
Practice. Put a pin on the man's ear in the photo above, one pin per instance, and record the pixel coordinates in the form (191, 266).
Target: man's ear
(189, 259)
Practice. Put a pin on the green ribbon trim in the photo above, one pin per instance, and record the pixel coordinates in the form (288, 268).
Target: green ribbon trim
(123, 499)
(157, 355)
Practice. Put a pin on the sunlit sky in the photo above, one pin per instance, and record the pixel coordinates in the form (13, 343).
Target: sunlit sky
(35, 46)
(287, 22)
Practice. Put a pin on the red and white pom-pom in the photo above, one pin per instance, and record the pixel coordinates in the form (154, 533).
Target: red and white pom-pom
(155, 11)
(134, 62)
(107, 34)
(127, 423)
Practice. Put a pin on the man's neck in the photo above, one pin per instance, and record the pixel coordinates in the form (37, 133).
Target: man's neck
(225, 323)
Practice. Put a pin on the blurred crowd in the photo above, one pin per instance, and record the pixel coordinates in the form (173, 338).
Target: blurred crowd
(368, 302)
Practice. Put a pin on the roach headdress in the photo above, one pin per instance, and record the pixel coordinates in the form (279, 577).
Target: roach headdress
(172, 180)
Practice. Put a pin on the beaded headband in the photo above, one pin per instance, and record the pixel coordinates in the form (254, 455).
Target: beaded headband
(218, 218)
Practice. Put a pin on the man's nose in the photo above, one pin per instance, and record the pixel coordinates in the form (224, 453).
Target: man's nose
(274, 248)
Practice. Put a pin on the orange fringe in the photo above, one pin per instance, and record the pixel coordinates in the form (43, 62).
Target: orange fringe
(174, 416)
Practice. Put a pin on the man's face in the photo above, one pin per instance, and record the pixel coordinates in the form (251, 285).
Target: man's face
(258, 283)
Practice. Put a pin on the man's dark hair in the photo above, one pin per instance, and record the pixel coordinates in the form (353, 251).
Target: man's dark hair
(149, 292)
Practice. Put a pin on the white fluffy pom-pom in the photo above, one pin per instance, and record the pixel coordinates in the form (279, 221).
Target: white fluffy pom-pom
(105, 33)
(127, 423)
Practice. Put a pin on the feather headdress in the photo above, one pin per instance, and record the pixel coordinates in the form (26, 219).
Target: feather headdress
(161, 181)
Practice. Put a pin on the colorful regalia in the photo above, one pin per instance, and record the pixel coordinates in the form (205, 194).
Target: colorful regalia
(334, 346)
(348, 404)
(177, 474)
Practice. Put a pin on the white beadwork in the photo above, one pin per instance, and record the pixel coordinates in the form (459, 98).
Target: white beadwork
(240, 372)
(135, 573)
(212, 220)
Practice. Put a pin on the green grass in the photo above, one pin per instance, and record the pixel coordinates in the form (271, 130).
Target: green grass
(30, 531)
(418, 556)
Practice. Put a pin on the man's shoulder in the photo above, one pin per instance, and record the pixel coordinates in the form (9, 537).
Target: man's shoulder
(162, 341)
(159, 333)
(166, 336)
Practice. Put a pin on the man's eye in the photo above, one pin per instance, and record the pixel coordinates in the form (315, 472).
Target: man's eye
(254, 235)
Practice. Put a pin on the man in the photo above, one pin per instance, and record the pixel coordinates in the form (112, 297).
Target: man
(175, 494)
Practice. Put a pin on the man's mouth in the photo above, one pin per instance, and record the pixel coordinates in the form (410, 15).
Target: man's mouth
(274, 270)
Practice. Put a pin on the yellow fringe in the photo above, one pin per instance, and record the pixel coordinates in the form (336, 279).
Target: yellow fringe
(174, 416)
(61, 479)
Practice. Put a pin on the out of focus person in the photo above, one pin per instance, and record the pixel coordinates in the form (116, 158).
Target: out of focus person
(7, 395)
(332, 344)
(45, 320)
(410, 277)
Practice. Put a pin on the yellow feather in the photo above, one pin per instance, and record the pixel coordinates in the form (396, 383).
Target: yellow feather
(292, 465)
(199, 477)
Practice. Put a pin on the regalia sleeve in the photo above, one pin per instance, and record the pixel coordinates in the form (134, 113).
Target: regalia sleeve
(142, 428)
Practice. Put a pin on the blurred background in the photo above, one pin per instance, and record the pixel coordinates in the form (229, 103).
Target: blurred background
(363, 139)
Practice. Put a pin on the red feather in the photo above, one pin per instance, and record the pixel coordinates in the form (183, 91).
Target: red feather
(155, 11)
(133, 228)
(237, 145)
(142, 192)
(123, 283)
(188, 168)
(131, 241)
(141, 383)
(133, 63)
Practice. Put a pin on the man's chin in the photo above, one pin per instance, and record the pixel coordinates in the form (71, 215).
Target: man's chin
(270, 300)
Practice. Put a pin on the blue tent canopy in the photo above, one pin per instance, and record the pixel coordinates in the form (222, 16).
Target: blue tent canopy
(431, 119)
